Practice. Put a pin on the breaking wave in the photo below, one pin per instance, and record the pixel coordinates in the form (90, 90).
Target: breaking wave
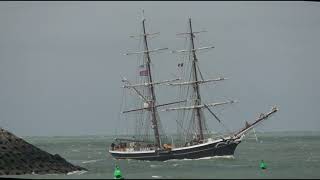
(156, 176)
(76, 172)
(154, 166)
(91, 161)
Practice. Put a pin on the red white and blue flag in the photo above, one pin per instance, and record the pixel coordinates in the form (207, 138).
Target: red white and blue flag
(144, 71)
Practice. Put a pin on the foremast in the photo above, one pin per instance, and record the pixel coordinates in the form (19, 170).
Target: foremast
(151, 88)
(149, 100)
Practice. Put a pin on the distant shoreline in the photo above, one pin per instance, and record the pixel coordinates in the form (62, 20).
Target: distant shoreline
(111, 135)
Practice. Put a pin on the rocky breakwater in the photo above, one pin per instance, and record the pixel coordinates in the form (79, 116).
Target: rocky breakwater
(19, 157)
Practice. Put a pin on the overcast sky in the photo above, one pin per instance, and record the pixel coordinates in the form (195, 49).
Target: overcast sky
(60, 62)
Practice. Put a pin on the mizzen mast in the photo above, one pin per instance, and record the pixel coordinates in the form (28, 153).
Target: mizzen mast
(195, 81)
(197, 101)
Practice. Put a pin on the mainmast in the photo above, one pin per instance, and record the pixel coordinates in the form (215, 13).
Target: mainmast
(195, 81)
(195, 85)
(151, 88)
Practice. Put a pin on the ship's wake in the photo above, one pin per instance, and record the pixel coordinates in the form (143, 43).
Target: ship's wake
(203, 158)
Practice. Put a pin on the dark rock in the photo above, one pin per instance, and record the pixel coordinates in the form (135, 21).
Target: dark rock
(19, 157)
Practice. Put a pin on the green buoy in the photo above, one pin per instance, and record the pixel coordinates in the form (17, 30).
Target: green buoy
(117, 173)
(263, 165)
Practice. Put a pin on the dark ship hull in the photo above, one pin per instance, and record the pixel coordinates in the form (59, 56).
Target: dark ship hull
(217, 148)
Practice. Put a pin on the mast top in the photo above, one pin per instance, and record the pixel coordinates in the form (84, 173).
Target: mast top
(143, 18)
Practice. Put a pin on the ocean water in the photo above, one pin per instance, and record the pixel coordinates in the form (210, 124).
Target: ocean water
(287, 155)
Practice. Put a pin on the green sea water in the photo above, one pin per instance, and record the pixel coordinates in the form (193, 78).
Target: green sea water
(287, 155)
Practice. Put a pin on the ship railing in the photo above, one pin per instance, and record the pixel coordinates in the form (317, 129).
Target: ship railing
(132, 149)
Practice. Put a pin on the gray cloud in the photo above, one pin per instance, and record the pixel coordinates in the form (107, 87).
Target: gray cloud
(60, 62)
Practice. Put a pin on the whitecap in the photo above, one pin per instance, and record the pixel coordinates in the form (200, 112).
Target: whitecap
(175, 165)
(76, 172)
(153, 165)
(53, 174)
(91, 161)
(156, 176)
(311, 160)
(185, 159)
(218, 157)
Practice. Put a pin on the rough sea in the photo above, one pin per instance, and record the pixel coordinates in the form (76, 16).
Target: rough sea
(287, 155)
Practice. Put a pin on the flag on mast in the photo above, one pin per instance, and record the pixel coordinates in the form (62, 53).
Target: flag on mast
(144, 71)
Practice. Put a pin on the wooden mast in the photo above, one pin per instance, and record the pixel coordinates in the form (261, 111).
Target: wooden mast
(153, 97)
(195, 85)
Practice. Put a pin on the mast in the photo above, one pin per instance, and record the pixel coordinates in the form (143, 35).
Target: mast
(151, 88)
(195, 85)
(196, 81)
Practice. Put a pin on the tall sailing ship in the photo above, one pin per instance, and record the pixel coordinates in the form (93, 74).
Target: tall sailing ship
(195, 140)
